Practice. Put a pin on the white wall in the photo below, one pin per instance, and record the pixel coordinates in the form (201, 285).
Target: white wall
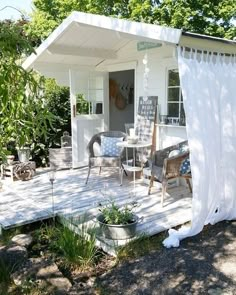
(159, 61)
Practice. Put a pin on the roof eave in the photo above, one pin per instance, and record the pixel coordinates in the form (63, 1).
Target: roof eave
(210, 38)
(148, 31)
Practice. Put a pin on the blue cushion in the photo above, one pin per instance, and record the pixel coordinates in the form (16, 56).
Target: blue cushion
(185, 167)
(109, 146)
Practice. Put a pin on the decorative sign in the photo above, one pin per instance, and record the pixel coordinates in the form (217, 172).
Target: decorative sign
(147, 45)
(147, 107)
(145, 122)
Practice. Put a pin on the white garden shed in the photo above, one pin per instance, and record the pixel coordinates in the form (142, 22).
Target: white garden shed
(187, 71)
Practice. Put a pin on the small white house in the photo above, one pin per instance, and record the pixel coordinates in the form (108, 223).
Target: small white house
(86, 51)
(94, 54)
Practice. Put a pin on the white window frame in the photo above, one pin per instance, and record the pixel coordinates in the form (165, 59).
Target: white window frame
(179, 102)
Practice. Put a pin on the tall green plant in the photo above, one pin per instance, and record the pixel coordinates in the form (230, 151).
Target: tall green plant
(78, 248)
(23, 112)
(57, 102)
(5, 276)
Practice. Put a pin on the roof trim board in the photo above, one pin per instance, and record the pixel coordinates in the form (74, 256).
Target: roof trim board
(78, 51)
(211, 38)
(129, 28)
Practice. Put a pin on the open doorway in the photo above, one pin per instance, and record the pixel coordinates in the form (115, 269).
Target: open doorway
(121, 106)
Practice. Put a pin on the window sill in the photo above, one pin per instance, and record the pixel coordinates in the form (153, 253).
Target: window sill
(172, 126)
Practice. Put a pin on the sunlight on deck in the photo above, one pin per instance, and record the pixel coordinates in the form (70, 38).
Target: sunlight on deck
(29, 201)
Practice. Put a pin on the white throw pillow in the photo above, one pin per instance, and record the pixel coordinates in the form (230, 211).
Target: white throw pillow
(97, 149)
(174, 153)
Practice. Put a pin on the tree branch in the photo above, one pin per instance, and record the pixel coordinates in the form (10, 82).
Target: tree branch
(9, 6)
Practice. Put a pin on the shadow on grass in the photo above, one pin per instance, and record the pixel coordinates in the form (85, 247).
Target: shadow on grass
(193, 268)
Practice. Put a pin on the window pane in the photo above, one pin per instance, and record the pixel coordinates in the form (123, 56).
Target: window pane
(173, 78)
(173, 109)
(83, 107)
(173, 94)
(182, 115)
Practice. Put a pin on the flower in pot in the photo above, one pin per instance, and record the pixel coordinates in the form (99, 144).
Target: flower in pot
(117, 223)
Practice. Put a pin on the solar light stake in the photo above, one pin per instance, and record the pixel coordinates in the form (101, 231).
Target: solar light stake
(51, 176)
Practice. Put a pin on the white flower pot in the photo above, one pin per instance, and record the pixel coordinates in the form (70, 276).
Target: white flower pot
(23, 154)
(10, 159)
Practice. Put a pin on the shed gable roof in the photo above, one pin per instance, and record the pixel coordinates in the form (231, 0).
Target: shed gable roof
(98, 37)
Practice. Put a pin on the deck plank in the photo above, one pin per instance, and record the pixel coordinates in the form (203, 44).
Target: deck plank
(29, 201)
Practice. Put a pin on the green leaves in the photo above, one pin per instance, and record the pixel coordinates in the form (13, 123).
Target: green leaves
(23, 116)
(113, 214)
(13, 41)
(207, 17)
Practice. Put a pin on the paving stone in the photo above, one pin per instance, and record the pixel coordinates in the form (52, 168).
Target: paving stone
(13, 255)
(22, 240)
(219, 291)
(51, 274)
(42, 270)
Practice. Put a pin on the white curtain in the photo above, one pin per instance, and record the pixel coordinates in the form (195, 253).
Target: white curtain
(208, 82)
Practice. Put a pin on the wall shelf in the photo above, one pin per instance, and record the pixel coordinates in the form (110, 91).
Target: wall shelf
(171, 126)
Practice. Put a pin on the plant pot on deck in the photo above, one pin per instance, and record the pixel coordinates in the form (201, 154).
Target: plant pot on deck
(23, 154)
(10, 159)
(118, 231)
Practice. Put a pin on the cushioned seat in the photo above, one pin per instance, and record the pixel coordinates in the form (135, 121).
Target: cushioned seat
(164, 166)
(100, 147)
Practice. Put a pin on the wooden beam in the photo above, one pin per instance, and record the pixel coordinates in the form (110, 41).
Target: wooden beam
(79, 51)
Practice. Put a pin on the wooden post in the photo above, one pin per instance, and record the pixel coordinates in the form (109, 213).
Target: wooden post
(154, 135)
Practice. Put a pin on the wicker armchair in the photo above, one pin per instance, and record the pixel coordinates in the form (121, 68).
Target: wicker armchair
(97, 160)
(164, 167)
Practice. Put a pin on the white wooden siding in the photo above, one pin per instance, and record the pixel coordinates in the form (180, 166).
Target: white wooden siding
(159, 61)
(87, 126)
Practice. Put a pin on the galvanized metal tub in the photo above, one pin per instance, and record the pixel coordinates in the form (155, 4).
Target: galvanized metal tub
(117, 231)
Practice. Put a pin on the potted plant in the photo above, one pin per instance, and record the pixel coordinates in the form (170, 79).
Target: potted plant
(35, 125)
(117, 223)
(23, 153)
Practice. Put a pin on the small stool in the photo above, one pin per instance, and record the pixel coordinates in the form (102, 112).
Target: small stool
(18, 170)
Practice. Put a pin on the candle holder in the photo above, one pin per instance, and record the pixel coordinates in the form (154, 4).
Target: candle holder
(132, 132)
(52, 177)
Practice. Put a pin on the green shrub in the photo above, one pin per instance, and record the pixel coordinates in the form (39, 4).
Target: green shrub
(58, 103)
(5, 279)
(78, 248)
(23, 114)
(45, 239)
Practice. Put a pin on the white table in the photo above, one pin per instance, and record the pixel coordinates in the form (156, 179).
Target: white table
(129, 165)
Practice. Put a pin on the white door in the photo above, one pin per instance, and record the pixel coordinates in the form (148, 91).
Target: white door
(89, 110)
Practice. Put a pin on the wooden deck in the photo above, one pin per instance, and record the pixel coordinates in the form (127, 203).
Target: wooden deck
(29, 201)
